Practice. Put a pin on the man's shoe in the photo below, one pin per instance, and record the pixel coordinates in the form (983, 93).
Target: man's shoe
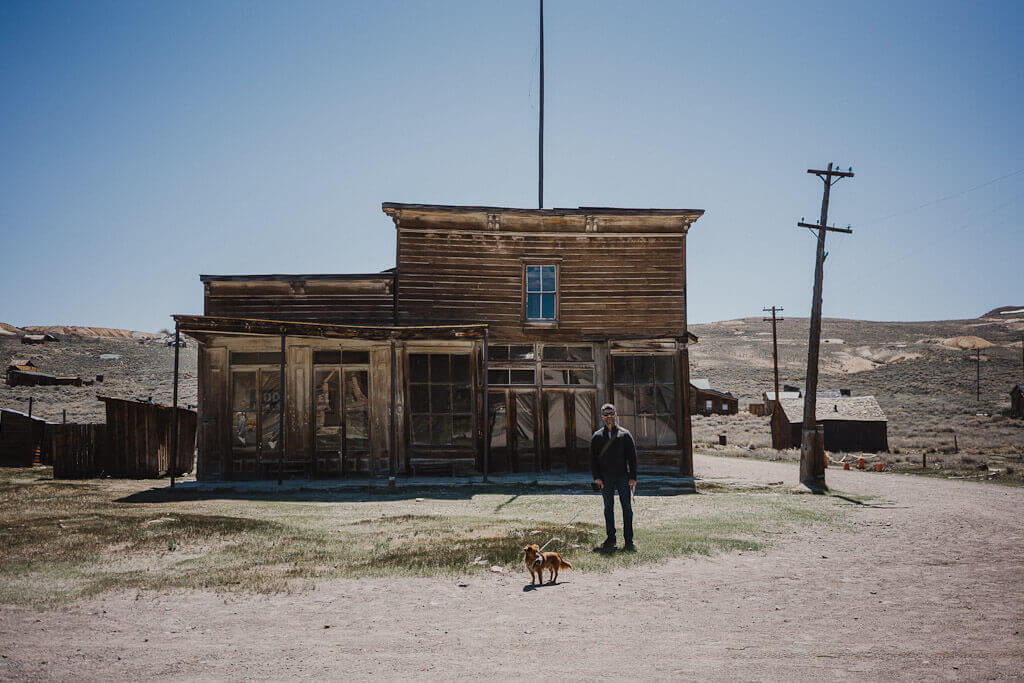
(609, 544)
(630, 548)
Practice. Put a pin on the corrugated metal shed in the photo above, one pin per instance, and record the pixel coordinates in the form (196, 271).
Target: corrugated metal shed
(859, 408)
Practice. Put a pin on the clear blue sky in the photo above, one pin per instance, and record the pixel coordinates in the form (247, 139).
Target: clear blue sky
(144, 143)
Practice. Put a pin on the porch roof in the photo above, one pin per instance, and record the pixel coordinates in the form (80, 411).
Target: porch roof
(199, 326)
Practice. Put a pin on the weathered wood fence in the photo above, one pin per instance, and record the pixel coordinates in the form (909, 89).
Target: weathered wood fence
(79, 450)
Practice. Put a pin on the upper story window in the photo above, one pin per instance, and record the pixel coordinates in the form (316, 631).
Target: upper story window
(541, 292)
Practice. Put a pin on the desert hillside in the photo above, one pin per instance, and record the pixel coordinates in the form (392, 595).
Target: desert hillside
(922, 373)
(132, 364)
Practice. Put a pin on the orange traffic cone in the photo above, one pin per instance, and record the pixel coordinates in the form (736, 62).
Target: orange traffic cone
(880, 466)
(860, 463)
(846, 465)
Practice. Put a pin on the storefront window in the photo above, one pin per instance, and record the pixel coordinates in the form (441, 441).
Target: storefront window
(441, 400)
(645, 397)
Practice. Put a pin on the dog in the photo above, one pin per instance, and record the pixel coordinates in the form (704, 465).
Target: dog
(537, 562)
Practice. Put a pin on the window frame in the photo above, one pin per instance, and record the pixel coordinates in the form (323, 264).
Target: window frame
(451, 415)
(528, 263)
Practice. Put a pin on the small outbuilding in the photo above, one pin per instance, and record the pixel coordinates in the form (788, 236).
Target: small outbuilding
(17, 366)
(708, 401)
(851, 423)
(38, 338)
(1017, 401)
(768, 397)
(22, 439)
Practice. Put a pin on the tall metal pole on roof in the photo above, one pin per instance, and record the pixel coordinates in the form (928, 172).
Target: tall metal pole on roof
(172, 461)
(812, 447)
(776, 433)
(540, 136)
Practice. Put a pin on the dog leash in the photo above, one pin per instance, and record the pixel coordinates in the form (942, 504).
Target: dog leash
(578, 515)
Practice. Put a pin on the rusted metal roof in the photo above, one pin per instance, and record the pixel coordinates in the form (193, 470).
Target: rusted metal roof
(847, 409)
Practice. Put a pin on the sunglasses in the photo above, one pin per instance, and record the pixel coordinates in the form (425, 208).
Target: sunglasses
(608, 414)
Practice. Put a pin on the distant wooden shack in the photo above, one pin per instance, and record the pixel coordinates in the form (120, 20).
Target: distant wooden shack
(17, 366)
(24, 373)
(768, 398)
(708, 401)
(1017, 401)
(22, 439)
(852, 423)
(38, 338)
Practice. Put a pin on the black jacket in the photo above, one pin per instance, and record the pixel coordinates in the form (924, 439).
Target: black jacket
(618, 459)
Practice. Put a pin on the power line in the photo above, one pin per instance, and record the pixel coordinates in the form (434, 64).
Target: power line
(951, 233)
(933, 202)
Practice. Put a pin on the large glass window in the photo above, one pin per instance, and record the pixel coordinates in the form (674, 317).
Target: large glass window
(645, 397)
(541, 290)
(440, 399)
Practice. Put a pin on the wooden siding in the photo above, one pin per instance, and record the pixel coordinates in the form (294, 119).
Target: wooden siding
(367, 299)
(607, 284)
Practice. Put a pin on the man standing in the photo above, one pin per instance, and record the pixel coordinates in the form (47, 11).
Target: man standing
(613, 464)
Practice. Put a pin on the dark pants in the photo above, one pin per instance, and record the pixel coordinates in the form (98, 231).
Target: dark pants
(611, 487)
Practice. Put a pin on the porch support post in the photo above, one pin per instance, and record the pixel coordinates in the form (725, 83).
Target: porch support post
(281, 425)
(393, 423)
(686, 462)
(172, 460)
(487, 412)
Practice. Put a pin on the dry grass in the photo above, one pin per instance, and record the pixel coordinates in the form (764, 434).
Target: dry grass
(65, 541)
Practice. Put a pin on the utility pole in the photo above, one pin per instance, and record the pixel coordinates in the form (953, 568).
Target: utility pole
(977, 380)
(812, 446)
(776, 435)
(540, 134)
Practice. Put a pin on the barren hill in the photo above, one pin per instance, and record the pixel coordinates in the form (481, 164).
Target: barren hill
(80, 331)
(922, 373)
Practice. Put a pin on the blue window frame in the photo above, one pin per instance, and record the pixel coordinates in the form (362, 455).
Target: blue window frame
(541, 292)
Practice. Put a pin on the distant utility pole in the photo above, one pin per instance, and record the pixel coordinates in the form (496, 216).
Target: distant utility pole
(978, 378)
(812, 446)
(776, 440)
(540, 134)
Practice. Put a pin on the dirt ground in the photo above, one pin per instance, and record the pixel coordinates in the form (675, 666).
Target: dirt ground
(923, 583)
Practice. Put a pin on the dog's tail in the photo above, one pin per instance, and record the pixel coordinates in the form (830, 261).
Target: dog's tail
(564, 564)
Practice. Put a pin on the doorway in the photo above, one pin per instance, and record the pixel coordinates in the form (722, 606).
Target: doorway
(512, 430)
(570, 416)
(341, 417)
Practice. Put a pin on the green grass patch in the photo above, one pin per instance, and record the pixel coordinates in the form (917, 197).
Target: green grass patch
(65, 541)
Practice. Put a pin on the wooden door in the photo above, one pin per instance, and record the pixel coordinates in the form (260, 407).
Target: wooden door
(512, 429)
(356, 427)
(584, 422)
(557, 429)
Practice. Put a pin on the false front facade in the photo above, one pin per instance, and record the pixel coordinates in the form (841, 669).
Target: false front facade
(488, 348)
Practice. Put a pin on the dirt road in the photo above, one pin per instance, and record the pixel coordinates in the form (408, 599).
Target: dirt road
(928, 584)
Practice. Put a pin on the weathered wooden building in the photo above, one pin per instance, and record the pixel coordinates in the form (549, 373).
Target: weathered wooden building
(854, 423)
(22, 439)
(709, 401)
(489, 348)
